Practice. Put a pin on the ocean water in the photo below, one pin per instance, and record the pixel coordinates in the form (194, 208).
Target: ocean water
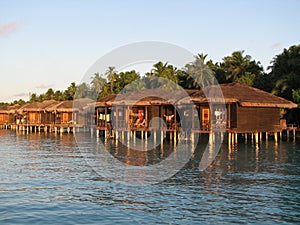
(45, 179)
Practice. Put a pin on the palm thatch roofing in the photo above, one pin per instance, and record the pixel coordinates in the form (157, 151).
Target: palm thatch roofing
(9, 109)
(225, 93)
(156, 96)
(70, 105)
(36, 106)
(248, 96)
(4, 109)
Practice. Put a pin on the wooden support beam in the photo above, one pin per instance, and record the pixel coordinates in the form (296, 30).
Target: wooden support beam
(276, 137)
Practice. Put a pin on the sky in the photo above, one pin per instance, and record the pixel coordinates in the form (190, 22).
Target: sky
(47, 44)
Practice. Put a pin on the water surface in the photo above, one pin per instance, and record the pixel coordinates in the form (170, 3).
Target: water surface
(45, 179)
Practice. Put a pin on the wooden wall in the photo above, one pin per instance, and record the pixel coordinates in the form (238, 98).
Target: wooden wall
(251, 119)
(3, 118)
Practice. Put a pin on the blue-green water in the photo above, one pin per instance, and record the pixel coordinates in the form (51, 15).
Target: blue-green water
(44, 179)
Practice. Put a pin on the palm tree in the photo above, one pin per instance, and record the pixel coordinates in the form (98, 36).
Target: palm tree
(242, 69)
(163, 75)
(97, 82)
(112, 77)
(200, 72)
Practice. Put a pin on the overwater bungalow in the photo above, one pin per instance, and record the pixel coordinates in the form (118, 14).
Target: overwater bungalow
(33, 115)
(3, 116)
(252, 110)
(247, 110)
(134, 111)
(70, 114)
(8, 115)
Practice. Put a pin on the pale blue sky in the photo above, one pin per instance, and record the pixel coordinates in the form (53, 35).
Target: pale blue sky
(52, 43)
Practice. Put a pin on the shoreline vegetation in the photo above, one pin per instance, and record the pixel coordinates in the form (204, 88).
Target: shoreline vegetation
(283, 79)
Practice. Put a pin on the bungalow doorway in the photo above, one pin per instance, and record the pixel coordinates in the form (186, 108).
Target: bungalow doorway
(205, 118)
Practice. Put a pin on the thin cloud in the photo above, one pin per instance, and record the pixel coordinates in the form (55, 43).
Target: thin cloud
(44, 86)
(8, 28)
(21, 94)
(276, 45)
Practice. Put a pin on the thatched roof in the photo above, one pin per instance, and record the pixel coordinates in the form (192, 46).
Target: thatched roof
(156, 96)
(70, 105)
(9, 109)
(36, 106)
(3, 109)
(251, 97)
(228, 93)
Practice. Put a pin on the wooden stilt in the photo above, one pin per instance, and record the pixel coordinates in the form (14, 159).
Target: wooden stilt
(267, 136)
(294, 135)
(236, 138)
(161, 137)
(210, 138)
(134, 136)
(128, 135)
(192, 138)
(175, 136)
(260, 136)
(276, 137)
(288, 134)
(280, 135)
(256, 137)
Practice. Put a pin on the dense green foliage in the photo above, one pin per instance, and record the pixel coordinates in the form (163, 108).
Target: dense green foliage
(282, 80)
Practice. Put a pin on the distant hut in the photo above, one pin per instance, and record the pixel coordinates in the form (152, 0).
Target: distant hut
(4, 118)
(69, 113)
(13, 118)
(134, 110)
(248, 109)
(34, 113)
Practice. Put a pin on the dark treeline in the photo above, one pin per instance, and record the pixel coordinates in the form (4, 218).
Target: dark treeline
(283, 78)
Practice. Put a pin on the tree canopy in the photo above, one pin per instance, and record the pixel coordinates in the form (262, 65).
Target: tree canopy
(283, 78)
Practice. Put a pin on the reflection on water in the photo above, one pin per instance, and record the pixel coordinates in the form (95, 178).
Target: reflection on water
(45, 179)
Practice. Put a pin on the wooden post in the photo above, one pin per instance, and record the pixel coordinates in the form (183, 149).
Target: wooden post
(192, 138)
(246, 138)
(275, 137)
(128, 135)
(211, 137)
(260, 136)
(154, 135)
(122, 135)
(294, 134)
(267, 136)
(280, 135)
(256, 137)
(134, 135)
(236, 138)
(171, 136)
(229, 138)
(175, 136)
(161, 137)
(142, 134)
